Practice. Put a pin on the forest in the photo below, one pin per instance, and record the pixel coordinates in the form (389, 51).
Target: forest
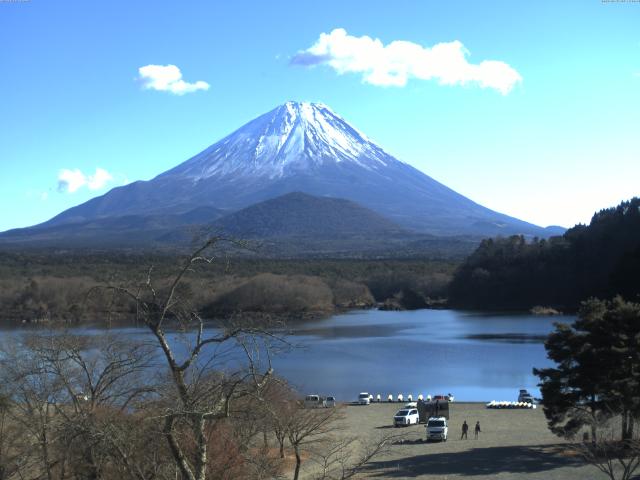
(52, 287)
(601, 260)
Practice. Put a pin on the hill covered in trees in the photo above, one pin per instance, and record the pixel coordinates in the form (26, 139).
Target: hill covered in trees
(598, 260)
(53, 286)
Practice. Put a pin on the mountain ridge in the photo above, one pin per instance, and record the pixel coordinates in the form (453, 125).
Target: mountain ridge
(301, 147)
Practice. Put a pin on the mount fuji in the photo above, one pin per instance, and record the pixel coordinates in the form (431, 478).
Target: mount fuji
(296, 147)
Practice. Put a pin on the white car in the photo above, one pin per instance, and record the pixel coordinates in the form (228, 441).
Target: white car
(437, 429)
(330, 402)
(313, 401)
(364, 398)
(406, 416)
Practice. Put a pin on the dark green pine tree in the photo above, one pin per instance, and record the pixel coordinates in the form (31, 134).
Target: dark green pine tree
(617, 327)
(597, 372)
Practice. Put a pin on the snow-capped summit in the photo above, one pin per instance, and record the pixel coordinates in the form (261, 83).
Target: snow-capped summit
(292, 137)
(301, 147)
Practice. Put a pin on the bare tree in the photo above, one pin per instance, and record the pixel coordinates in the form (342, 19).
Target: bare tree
(70, 392)
(316, 431)
(34, 394)
(617, 459)
(11, 439)
(347, 457)
(279, 406)
(308, 427)
(102, 377)
(206, 373)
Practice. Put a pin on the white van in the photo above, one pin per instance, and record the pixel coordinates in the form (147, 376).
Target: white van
(437, 429)
(313, 401)
(364, 398)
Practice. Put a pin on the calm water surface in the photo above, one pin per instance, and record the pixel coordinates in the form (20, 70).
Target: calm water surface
(474, 356)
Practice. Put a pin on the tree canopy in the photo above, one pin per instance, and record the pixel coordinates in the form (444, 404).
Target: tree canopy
(599, 260)
(597, 372)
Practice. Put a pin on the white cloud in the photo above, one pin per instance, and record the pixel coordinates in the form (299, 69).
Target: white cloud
(168, 78)
(394, 64)
(99, 179)
(71, 181)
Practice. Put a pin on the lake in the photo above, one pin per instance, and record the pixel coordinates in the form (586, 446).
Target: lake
(474, 356)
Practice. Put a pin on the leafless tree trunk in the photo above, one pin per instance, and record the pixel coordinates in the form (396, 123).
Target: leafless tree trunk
(198, 400)
(309, 426)
(94, 407)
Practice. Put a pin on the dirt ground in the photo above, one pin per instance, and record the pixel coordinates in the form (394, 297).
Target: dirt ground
(513, 444)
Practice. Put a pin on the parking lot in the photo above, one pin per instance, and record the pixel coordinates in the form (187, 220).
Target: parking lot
(513, 444)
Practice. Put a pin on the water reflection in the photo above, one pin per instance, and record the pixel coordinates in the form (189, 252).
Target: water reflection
(476, 356)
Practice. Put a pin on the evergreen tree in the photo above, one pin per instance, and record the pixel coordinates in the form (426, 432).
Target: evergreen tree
(598, 369)
(599, 260)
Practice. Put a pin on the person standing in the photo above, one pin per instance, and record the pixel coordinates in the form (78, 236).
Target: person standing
(477, 430)
(465, 429)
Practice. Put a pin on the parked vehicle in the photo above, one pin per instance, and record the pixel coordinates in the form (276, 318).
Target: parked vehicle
(406, 416)
(411, 405)
(525, 397)
(313, 401)
(437, 429)
(330, 402)
(364, 398)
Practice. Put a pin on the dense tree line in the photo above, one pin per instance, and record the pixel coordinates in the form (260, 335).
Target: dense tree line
(598, 260)
(35, 287)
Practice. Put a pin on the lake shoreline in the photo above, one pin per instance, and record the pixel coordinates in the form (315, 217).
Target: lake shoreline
(295, 317)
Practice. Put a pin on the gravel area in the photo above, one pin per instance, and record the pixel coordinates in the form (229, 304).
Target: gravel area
(513, 444)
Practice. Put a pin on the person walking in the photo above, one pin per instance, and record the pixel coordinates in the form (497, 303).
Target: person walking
(465, 429)
(477, 430)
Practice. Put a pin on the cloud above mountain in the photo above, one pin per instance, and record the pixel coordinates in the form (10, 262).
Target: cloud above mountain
(71, 181)
(168, 78)
(394, 64)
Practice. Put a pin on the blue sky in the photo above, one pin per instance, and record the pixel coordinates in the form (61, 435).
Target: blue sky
(551, 147)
